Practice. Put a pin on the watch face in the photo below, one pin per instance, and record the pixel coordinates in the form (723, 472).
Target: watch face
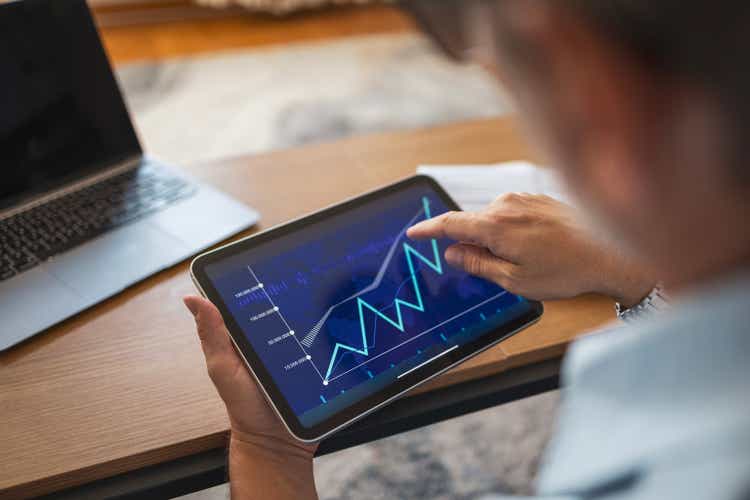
(655, 301)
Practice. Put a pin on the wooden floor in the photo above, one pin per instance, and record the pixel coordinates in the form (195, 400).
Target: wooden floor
(149, 33)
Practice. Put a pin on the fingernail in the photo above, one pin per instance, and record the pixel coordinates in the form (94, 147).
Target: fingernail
(191, 305)
(454, 256)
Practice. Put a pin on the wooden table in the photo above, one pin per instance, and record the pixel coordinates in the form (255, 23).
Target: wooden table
(123, 385)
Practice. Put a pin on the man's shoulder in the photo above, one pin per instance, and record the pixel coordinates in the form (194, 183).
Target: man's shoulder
(706, 328)
(651, 395)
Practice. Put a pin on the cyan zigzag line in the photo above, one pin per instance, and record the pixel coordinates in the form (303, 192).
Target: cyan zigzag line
(398, 323)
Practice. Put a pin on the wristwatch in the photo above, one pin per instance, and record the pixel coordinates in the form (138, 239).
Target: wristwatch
(656, 301)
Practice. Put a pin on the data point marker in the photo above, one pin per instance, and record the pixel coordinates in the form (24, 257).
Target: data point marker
(291, 332)
(325, 382)
(308, 357)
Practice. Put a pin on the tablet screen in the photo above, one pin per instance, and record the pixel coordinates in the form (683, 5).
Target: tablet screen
(347, 305)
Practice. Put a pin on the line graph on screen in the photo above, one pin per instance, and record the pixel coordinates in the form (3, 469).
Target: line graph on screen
(367, 315)
(411, 254)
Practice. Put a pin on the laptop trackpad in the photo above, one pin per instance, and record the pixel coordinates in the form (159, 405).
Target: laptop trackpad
(32, 302)
(108, 264)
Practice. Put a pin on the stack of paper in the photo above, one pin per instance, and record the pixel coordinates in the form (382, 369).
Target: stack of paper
(475, 186)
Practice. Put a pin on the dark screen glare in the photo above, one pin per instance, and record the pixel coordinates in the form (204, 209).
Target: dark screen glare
(62, 114)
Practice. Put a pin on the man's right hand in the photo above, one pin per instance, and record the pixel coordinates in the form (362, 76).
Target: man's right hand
(535, 246)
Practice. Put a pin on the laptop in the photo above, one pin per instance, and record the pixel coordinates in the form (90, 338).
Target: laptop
(83, 212)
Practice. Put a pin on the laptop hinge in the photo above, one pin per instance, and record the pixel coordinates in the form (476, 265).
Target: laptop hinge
(112, 171)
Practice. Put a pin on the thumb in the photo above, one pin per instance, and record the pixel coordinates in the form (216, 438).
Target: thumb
(481, 262)
(211, 328)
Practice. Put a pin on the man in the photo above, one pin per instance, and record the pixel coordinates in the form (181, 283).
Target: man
(642, 106)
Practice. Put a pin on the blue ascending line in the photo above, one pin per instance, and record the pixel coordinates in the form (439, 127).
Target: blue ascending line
(315, 330)
(374, 325)
(398, 322)
(323, 399)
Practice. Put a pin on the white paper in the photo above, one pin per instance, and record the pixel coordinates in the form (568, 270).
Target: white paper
(475, 186)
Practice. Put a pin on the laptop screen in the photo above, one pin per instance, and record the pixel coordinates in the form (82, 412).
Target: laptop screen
(62, 116)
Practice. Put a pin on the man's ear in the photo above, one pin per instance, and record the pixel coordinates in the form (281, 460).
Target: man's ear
(611, 104)
(603, 104)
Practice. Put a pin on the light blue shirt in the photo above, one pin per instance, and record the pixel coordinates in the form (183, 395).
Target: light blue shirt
(658, 409)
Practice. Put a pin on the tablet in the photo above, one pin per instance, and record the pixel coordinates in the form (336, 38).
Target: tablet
(339, 312)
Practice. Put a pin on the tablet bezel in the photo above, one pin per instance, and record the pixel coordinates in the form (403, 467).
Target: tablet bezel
(380, 398)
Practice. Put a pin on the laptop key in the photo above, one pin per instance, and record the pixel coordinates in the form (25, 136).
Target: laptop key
(7, 273)
(31, 237)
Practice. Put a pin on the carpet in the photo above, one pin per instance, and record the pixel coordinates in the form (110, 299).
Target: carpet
(202, 108)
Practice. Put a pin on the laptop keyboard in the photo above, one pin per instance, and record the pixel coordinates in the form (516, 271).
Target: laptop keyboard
(29, 238)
